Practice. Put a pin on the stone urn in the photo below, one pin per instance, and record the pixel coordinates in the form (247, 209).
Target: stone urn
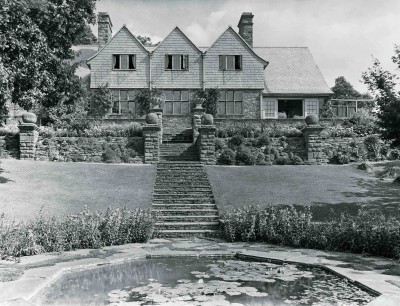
(207, 119)
(29, 118)
(312, 119)
(152, 118)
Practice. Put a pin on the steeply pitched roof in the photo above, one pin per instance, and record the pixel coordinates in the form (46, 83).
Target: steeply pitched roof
(229, 29)
(122, 28)
(292, 71)
(176, 29)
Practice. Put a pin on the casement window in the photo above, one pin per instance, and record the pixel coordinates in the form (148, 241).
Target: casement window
(176, 62)
(176, 102)
(230, 62)
(230, 102)
(311, 106)
(270, 107)
(123, 102)
(124, 61)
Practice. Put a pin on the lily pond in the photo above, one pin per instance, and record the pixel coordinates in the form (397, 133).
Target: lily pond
(181, 281)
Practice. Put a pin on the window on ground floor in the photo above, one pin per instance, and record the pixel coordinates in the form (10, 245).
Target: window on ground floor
(176, 102)
(123, 102)
(291, 108)
(230, 102)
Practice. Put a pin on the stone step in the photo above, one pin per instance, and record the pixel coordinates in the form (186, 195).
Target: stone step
(180, 163)
(180, 196)
(184, 185)
(187, 218)
(187, 225)
(184, 206)
(178, 200)
(182, 192)
(189, 211)
(175, 158)
(186, 233)
(177, 175)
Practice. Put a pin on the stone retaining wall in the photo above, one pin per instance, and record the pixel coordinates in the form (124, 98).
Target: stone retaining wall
(90, 149)
(9, 146)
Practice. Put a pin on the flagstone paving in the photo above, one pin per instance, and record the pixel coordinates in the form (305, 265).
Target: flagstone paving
(31, 274)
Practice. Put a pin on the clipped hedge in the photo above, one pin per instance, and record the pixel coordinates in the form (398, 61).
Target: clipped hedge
(87, 229)
(368, 232)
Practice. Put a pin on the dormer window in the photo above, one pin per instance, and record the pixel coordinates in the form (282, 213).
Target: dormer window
(124, 61)
(176, 62)
(230, 62)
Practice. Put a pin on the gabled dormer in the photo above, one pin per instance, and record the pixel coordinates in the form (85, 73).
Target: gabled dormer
(231, 63)
(123, 62)
(176, 62)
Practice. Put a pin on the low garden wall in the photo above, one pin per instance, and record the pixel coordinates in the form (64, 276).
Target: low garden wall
(91, 149)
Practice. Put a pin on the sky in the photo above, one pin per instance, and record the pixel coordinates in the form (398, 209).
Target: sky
(342, 35)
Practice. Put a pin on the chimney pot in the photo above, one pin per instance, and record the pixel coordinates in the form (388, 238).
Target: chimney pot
(246, 27)
(104, 28)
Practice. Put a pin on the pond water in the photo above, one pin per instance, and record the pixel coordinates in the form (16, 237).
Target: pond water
(198, 281)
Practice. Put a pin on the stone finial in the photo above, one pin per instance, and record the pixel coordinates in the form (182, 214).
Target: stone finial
(246, 27)
(152, 118)
(207, 119)
(312, 119)
(29, 118)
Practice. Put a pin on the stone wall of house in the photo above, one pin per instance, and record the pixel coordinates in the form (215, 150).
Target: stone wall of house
(91, 149)
(9, 146)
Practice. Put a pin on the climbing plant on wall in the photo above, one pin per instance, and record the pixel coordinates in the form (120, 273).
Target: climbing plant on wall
(209, 98)
(146, 99)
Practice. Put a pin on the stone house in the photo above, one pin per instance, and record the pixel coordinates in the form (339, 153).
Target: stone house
(255, 82)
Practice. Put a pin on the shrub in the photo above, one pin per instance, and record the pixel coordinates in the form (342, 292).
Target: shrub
(283, 161)
(110, 156)
(297, 160)
(235, 141)
(367, 232)
(263, 140)
(340, 158)
(227, 157)
(219, 144)
(244, 156)
(394, 154)
(78, 157)
(373, 147)
(87, 229)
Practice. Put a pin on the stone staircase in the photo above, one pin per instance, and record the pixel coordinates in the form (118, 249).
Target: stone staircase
(178, 147)
(183, 201)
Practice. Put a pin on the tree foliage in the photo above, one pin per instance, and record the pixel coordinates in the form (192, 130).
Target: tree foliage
(146, 40)
(100, 101)
(344, 90)
(146, 99)
(86, 37)
(383, 84)
(35, 46)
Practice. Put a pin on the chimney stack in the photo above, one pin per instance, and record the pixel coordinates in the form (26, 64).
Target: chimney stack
(246, 27)
(104, 28)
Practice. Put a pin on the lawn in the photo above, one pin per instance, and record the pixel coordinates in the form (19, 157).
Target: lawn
(65, 188)
(327, 188)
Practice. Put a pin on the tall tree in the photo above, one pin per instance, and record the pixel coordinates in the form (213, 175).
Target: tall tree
(35, 46)
(85, 38)
(344, 90)
(383, 84)
(146, 40)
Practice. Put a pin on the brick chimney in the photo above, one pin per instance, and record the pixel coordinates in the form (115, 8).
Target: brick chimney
(246, 27)
(104, 28)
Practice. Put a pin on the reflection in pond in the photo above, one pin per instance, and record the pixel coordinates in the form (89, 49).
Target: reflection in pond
(192, 281)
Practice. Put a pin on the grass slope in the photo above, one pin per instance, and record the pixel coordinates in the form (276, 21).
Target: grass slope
(326, 188)
(65, 188)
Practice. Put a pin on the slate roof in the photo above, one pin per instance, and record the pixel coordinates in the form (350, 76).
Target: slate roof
(291, 70)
